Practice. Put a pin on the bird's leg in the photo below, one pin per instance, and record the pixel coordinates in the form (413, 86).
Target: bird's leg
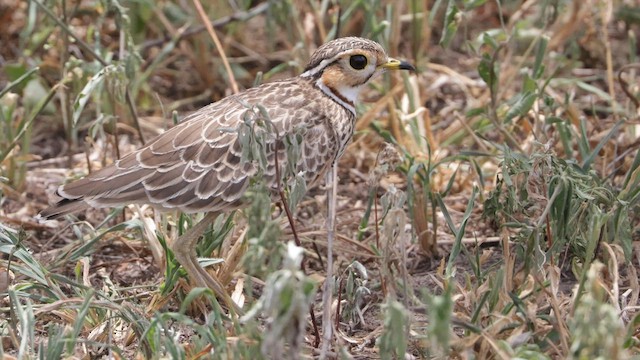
(184, 249)
(331, 183)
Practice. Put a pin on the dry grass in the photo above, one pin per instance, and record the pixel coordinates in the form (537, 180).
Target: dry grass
(487, 208)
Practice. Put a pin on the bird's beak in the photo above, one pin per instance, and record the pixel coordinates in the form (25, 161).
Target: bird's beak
(394, 64)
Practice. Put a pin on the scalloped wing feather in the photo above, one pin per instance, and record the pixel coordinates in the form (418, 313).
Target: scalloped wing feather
(198, 165)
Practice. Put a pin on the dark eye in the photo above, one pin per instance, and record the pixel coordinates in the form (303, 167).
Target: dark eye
(358, 62)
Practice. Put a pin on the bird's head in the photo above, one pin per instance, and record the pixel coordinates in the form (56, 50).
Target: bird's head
(342, 67)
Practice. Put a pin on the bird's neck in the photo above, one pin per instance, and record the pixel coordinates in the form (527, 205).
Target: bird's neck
(343, 95)
(335, 85)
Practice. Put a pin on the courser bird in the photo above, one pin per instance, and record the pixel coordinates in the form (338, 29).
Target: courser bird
(199, 165)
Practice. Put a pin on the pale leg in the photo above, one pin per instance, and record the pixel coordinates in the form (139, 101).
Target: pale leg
(184, 249)
(327, 295)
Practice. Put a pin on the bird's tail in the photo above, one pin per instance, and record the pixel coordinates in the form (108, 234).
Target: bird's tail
(63, 207)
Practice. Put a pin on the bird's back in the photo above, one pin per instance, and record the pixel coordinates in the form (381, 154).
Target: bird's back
(205, 162)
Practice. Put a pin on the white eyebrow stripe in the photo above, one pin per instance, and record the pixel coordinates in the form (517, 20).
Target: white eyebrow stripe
(323, 64)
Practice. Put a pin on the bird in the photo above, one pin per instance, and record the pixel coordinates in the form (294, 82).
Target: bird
(201, 165)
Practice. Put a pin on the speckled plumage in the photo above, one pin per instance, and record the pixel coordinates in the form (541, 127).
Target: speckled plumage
(196, 166)
(200, 166)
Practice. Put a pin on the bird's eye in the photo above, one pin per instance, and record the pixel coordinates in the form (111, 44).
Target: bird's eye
(358, 62)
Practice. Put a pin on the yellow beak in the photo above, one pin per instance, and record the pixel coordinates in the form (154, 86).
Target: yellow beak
(394, 64)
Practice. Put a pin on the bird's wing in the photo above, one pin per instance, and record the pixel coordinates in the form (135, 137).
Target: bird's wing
(199, 165)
